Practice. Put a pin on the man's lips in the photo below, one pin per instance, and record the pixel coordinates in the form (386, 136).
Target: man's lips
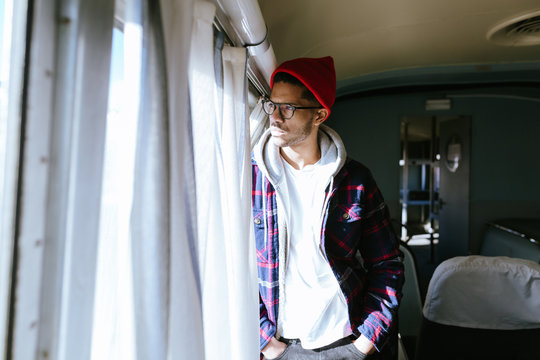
(275, 131)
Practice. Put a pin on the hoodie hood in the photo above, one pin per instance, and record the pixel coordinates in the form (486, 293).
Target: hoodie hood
(270, 162)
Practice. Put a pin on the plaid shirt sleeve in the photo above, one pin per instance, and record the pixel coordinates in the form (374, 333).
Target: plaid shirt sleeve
(379, 248)
(266, 238)
(358, 221)
(267, 328)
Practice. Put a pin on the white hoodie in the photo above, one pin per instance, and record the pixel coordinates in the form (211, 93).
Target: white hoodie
(312, 306)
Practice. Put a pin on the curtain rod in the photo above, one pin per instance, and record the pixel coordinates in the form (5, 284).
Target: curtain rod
(244, 24)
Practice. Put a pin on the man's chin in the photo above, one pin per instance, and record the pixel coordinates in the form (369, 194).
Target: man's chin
(278, 141)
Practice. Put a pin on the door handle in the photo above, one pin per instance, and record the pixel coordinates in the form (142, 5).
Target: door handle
(441, 203)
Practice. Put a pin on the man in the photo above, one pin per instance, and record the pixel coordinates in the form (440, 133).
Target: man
(330, 274)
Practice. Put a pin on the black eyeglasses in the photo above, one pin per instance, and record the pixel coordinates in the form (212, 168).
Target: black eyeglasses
(285, 110)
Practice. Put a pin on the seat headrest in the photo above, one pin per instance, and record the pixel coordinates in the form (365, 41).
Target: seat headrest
(485, 292)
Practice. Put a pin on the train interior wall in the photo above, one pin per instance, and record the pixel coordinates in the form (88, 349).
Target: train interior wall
(505, 150)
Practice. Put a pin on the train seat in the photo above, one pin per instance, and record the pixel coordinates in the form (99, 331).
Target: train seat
(410, 309)
(518, 238)
(479, 307)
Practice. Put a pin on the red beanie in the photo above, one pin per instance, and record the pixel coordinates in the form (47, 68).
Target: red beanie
(318, 74)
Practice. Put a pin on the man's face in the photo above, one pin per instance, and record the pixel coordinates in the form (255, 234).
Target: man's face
(295, 130)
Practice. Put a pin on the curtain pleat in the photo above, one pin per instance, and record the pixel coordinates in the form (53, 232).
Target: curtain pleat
(185, 338)
(235, 195)
(212, 253)
(150, 234)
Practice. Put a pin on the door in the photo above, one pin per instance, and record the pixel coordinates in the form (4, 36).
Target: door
(455, 151)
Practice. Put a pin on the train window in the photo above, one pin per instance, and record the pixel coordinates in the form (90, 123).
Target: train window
(12, 33)
(113, 326)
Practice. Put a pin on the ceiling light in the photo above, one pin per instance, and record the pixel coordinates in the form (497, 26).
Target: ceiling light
(438, 104)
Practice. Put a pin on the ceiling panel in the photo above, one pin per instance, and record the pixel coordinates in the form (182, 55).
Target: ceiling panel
(366, 36)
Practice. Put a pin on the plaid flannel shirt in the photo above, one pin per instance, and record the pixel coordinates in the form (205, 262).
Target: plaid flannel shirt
(355, 219)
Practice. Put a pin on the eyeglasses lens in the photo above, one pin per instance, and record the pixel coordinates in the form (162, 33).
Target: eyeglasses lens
(285, 110)
(269, 107)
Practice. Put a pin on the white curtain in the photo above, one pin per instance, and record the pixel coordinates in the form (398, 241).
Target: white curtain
(195, 279)
(167, 295)
(150, 233)
(236, 208)
(222, 172)
(185, 327)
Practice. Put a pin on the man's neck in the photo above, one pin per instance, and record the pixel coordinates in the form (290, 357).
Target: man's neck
(302, 155)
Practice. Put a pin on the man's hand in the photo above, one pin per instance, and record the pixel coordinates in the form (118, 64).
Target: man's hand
(274, 348)
(364, 345)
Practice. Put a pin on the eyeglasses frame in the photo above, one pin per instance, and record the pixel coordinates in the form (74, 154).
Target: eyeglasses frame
(278, 106)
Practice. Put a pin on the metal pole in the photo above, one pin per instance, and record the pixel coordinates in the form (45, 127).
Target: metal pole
(404, 195)
(432, 186)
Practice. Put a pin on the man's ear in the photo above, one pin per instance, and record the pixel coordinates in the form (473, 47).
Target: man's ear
(320, 117)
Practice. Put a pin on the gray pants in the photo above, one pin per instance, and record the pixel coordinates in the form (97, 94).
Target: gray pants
(342, 349)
